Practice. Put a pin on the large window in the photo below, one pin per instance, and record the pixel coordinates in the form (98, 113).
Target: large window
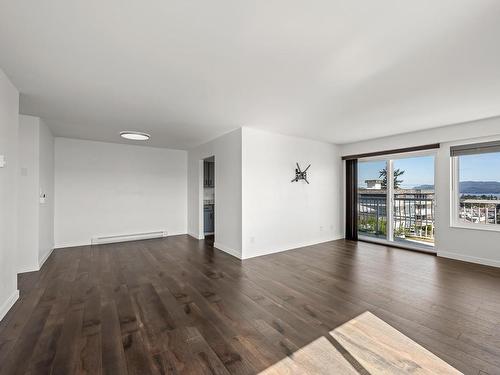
(477, 185)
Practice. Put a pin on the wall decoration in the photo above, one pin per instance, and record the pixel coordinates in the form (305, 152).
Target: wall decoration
(300, 175)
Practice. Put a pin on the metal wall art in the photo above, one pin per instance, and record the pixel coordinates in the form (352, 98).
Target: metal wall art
(300, 175)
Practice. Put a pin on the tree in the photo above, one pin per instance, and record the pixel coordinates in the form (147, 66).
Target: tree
(397, 183)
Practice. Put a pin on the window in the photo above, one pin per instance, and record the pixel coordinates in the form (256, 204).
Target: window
(476, 187)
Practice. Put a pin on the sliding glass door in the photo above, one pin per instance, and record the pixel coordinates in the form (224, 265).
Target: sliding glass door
(372, 200)
(413, 197)
(396, 200)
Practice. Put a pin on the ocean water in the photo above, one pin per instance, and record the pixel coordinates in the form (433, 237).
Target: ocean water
(488, 194)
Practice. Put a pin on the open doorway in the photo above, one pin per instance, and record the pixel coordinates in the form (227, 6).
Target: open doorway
(209, 199)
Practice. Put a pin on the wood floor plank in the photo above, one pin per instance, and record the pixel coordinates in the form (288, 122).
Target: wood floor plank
(17, 361)
(113, 356)
(68, 347)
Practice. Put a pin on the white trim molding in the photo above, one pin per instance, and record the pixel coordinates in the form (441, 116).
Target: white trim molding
(295, 246)
(196, 236)
(42, 261)
(26, 269)
(468, 258)
(227, 249)
(7, 305)
(100, 240)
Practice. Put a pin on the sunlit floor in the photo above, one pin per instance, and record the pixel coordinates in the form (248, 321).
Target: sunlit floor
(364, 345)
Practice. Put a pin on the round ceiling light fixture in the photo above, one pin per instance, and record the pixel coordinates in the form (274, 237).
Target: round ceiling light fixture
(135, 136)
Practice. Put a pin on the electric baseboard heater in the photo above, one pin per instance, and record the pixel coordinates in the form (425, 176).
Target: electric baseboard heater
(128, 237)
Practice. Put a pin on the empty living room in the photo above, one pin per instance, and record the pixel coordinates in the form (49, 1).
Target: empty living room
(250, 187)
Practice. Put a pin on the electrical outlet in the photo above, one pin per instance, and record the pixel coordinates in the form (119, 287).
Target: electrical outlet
(2, 161)
(321, 228)
(252, 239)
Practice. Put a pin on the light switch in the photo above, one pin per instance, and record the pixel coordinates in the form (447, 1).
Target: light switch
(2, 161)
(43, 197)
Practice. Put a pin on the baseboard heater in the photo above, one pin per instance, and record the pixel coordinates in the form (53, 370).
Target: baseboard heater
(128, 237)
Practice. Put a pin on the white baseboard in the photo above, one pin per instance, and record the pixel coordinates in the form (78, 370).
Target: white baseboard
(62, 245)
(195, 235)
(114, 238)
(25, 269)
(227, 249)
(468, 258)
(35, 267)
(4, 309)
(44, 258)
(280, 249)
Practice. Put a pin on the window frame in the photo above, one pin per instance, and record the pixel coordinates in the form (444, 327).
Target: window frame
(455, 202)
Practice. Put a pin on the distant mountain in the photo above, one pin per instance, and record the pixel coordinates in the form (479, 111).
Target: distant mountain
(480, 187)
(424, 187)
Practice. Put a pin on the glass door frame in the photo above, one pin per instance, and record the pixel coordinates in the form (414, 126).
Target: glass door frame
(389, 160)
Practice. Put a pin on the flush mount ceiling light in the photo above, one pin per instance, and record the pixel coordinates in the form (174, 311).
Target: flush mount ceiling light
(135, 136)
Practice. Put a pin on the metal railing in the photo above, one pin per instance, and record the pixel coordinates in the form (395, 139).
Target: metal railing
(413, 215)
(372, 214)
(479, 211)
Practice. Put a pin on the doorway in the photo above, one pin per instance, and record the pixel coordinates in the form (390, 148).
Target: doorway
(396, 200)
(209, 200)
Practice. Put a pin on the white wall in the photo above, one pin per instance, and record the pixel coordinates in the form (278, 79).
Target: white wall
(464, 244)
(278, 214)
(28, 207)
(46, 165)
(9, 124)
(36, 175)
(227, 152)
(106, 189)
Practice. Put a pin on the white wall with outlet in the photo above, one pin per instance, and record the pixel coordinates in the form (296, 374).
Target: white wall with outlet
(46, 194)
(472, 245)
(9, 125)
(36, 193)
(227, 152)
(279, 214)
(105, 189)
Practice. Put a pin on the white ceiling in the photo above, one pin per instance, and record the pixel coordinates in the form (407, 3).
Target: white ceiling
(187, 71)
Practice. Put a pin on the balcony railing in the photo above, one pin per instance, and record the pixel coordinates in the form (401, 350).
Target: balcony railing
(413, 214)
(479, 211)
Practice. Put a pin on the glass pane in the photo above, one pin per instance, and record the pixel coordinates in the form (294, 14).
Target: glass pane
(479, 186)
(413, 220)
(372, 199)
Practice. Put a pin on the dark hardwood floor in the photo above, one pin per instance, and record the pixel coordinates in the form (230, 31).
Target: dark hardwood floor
(176, 305)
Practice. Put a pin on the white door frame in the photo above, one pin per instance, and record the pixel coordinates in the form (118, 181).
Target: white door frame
(201, 187)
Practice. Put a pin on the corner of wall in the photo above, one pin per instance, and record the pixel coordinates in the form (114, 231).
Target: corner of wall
(9, 302)
(234, 252)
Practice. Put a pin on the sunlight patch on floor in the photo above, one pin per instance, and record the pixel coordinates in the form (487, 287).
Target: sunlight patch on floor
(317, 357)
(370, 344)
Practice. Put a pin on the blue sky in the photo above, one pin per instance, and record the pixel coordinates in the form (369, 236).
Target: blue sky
(420, 170)
(483, 167)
